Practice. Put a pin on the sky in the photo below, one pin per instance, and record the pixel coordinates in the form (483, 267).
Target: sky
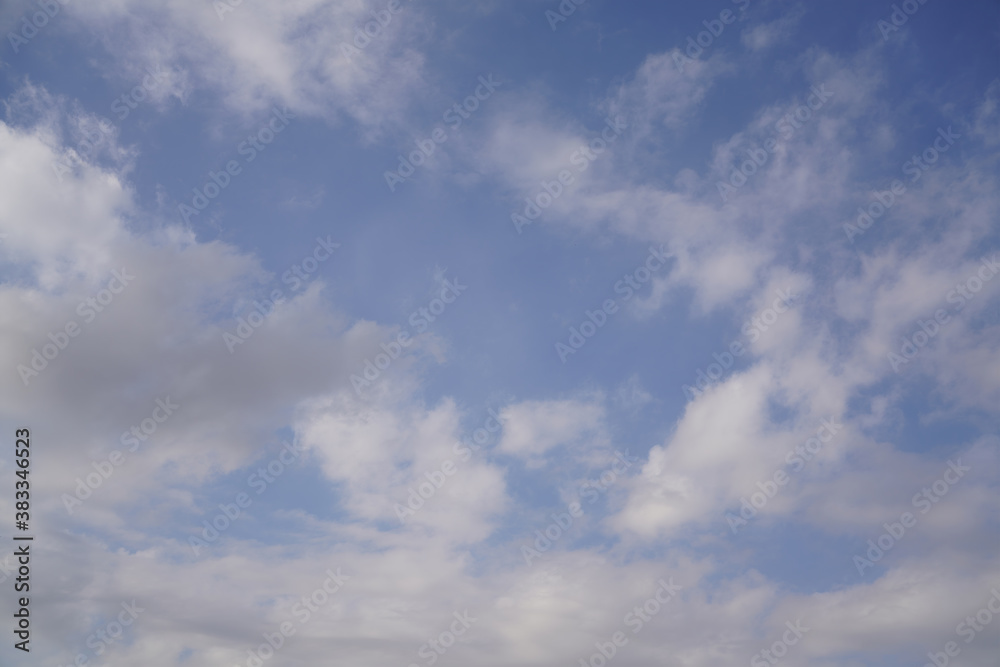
(500, 333)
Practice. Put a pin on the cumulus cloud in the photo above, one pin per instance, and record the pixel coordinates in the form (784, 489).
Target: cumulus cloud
(863, 387)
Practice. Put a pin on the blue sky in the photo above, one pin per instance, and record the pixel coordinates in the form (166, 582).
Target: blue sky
(637, 275)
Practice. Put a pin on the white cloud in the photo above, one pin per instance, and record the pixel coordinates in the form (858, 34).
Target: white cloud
(258, 55)
(533, 428)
